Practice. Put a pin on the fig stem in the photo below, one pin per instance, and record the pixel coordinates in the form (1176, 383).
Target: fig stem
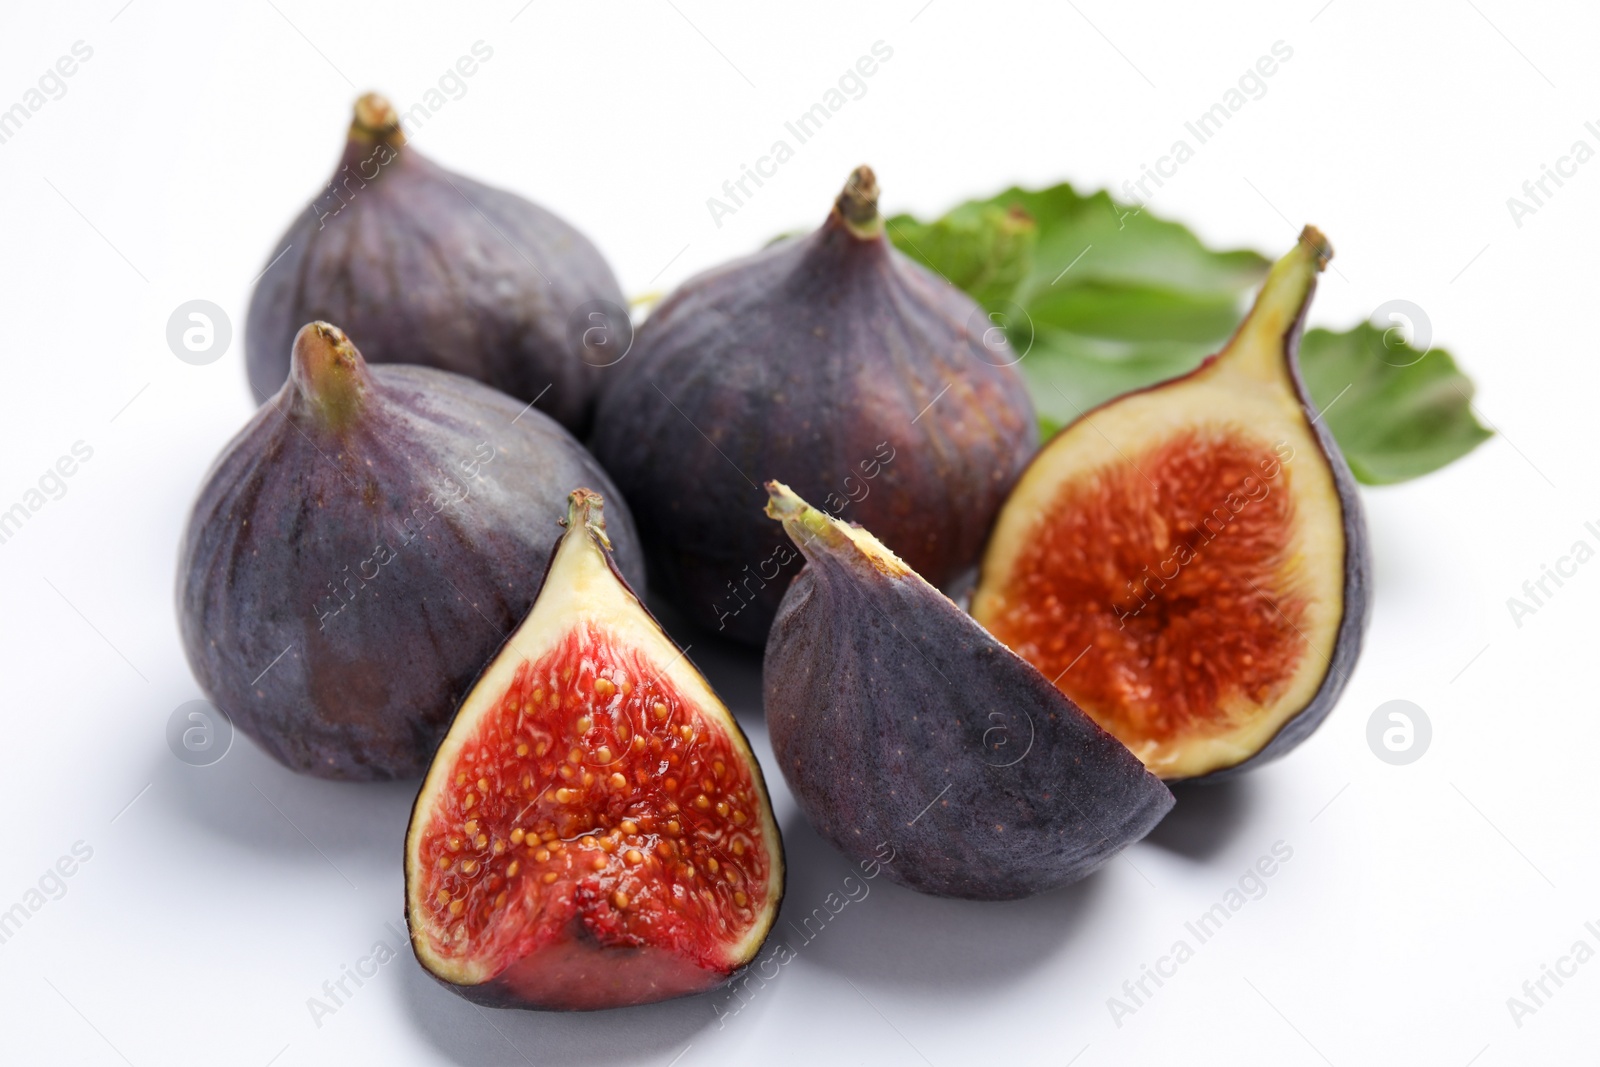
(1257, 348)
(329, 374)
(857, 205)
(586, 508)
(806, 525)
(798, 517)
(376, 121)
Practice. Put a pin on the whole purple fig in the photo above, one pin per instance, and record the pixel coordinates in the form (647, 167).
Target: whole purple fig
(361, 549)
(831, 362)
(426, 266)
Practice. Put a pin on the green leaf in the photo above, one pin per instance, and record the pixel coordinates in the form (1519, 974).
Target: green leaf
(1396, 412)
(1102, 298)
(1092, 240)
(981, 248)
(1069, 374)
(1129, 312)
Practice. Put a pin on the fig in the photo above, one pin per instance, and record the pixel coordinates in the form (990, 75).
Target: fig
(904, 728)
(1190, 561)
(837, 364)
(425, 266)
(594, 831)
(360, 549)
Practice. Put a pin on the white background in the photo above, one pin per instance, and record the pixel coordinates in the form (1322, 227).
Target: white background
(1418, 898)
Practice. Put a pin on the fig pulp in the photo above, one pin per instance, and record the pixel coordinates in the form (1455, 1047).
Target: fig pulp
(594, 831)
(1190, 561)
(360, 549)
(835, 363)
(425, 266)
(898, 721)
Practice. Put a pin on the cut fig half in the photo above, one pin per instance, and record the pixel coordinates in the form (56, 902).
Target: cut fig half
(1190, 561)
(594, 830)
(914, 740)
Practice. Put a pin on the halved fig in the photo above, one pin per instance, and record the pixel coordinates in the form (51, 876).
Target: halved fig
(914, 740)
(1190, 561)
(594, 831)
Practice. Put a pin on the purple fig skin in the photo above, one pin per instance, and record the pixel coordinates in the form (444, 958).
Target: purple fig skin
(359, 551)
(427, 267)
(897, 719)
(834, 363)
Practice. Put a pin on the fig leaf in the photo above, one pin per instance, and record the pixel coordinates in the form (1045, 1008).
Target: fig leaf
(1403, 413)
(1102, 298)
(981, 248)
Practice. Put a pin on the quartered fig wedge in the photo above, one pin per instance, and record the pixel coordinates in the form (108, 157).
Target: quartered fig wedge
(426, 266)
(899, 722)
(359, 550)
(834, 363)
(1190, 561)
(594, 831)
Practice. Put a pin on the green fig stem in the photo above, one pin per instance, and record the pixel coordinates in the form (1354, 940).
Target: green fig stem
(586, 511)
(329, 375)
(799, 518)
(1258, 346)
(806, 525)
(376, 122)
(857, 206)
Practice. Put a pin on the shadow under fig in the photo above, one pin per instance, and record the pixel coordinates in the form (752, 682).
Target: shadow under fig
(473, 1036)
(1206, 817)
(249, 798)
(892, 935)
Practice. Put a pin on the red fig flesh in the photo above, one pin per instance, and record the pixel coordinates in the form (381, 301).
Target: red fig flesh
(1195, 552)
(594, 830)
